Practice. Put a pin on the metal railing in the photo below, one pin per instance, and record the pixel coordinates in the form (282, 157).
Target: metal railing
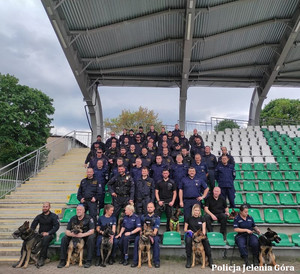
(19, 171)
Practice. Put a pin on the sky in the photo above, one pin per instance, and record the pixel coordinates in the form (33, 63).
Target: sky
(29, 50)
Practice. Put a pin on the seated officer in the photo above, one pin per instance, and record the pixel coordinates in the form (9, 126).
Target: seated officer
(154, 220)
(87, 234)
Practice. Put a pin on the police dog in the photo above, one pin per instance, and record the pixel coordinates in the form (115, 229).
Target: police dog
(145, 245)
(106, 244)
(174, 220)
(120, 222)
(198, 249)
(76, 245)
(266, 255)
(31, 247)
(233, 214)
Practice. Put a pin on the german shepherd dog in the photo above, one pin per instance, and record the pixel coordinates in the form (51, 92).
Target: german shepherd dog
(120, 222)
(174, 220)
(106, 244)
(76, 245)
(198, 249)
(31, 246)
(145, 245)
(233, 214)
(266, 254)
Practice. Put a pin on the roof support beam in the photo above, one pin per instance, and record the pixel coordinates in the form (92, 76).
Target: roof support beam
(260, 93)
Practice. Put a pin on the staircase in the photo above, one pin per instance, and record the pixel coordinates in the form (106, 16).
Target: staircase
(52, 184)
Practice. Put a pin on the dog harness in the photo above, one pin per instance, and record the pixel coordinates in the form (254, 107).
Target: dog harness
(175, 224)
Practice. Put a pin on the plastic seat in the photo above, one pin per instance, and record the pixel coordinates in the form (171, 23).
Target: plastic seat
(291, 216)
(296, 166)
(230, 238)
(270, 199)
(263, 175)
(285, 241)
(294, 186)
(279, 186)
(295, 238)
(276, 175)
(54, 240)
(287, 153)
(107, 198)
(215, 238)
(254, 212)
(272, 216)
(101, 212)
(73, 199)
(259, 167)
(286, 199)
(277, 153)
(247, 167)
(284, 166)
(237, 186)
(253, 199)
(249, 175)
(281, 159)
(238, 199)
(61, 235)
(290, 175)
(293, 159)
(298, 198)
(171, 238)
(272, 167)
(68, 214)
(249, 186)
(163, 217)
(237, 167)
(264, 186)
(238, 175)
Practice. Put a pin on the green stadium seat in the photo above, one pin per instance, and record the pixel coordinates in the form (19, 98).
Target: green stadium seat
(68, 214)
(61, 235)
(253, 199)
(263, 175)
(285, 241)
(286, 199)
(277, 153)
(101, 212)
(284, 166)
(238, 199)
(73, 199)
(259, 167)
(279, 186)
(215, 238)
(291, 216)
(294, 186)
(272, 216)
(249, 175)
(247, 167)
(293, 159)
(270, 199)
(298, 198)
(106, 187)
(249, 186)
(54, 240)
(287, 153)
(171, 238)
(296, 166)
(264, 186)
(230, 238)
(237, 186)
(163, 217)
(297, 152)
(272, 167)
(237, 167)
(295, 238)
(107, 198)
(276, 175)
(254, 212)
(290, 175)
(238, 175)
(281, 159)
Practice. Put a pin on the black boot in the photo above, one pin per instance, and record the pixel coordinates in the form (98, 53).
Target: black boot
(210, 261)
(246, 261)
(188, 262)
(98, 261)
(61, 264)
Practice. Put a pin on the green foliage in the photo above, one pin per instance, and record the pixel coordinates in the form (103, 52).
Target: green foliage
(227, 123)
(24, 119)
(281, 111)
(132, 120)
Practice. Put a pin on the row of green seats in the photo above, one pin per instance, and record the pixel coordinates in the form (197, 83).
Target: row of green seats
(265, 186)
(264, 175)
(269, 166)
(73, 199)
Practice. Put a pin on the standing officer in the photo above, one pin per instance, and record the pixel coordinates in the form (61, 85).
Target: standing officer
(153, 134)
(144, 192)
(157, 169)
(89, 193)
(211, 163)
(230, 158)
(154, 221)
(200, 167)
(121, 188)
(225, 175)
(192, 190)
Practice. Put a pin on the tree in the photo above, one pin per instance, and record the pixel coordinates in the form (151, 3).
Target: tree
(281, 111)
(24, 119)
(227, 123)
(132, 120)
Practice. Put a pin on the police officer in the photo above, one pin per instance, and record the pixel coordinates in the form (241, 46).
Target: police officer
(141, 134)
(144, 192)
(225, 175)
(198, 147)
(157, 169)
(184, 141)
(192, 190)
(89, 193)
(130, 228)
(192, 137)
(146, 158)
(211, 163)
(244, 225)
(166, 158)
(112, 139)
(230, 158)
(136, 171)
(154, 220)
(200, 167)
(176, 131)
(187, 159)
(121, 188)
(152, 134)
(101, 175)
(123, 136)
(99, 156)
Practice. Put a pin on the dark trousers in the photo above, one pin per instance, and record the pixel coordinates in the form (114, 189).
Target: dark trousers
(119, 203)
(187, 207)
(165, 208)
(124, 242)
(92, 208)
(189, 245)
(222, 219)
(156, 250)
(141, 205)
(228, 192)
(46, 240)
(89, 243)
(245, 239)
(211, 179)
(114, 249)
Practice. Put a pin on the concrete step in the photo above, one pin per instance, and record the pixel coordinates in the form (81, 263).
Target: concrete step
(9, 259)
(10, 243)
(37, 195)
(30, 206)
(9, 251)
(6, 235)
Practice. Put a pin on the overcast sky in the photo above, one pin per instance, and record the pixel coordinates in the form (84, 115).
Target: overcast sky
(29, 50)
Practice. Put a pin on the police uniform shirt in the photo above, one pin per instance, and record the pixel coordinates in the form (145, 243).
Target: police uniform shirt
(215, 206)
(155, 220)
(194, 223)
(144, 188)
(210, 161)
(239, 222)
(47, 223)
(165, 189)
(89, 188)
(103, 221)
(192, 188)
(88, 223)
(130, 223)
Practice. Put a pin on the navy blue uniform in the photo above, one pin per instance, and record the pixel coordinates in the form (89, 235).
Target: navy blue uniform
(102, 176)
(136, 173)
(138, 147)
(195, 149)
(122, 137)
(144, 193)
(184, 143)
(242, 239)
(187, 160)
(201, 170)
(211, 162)
(230, 159)
(146, 160)
(156, 172)
(225, 176)
(132, 157)
(94, 160)
(153, 135)
(167, 161)
(155, 222)
(109, 141)
(192, 139)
